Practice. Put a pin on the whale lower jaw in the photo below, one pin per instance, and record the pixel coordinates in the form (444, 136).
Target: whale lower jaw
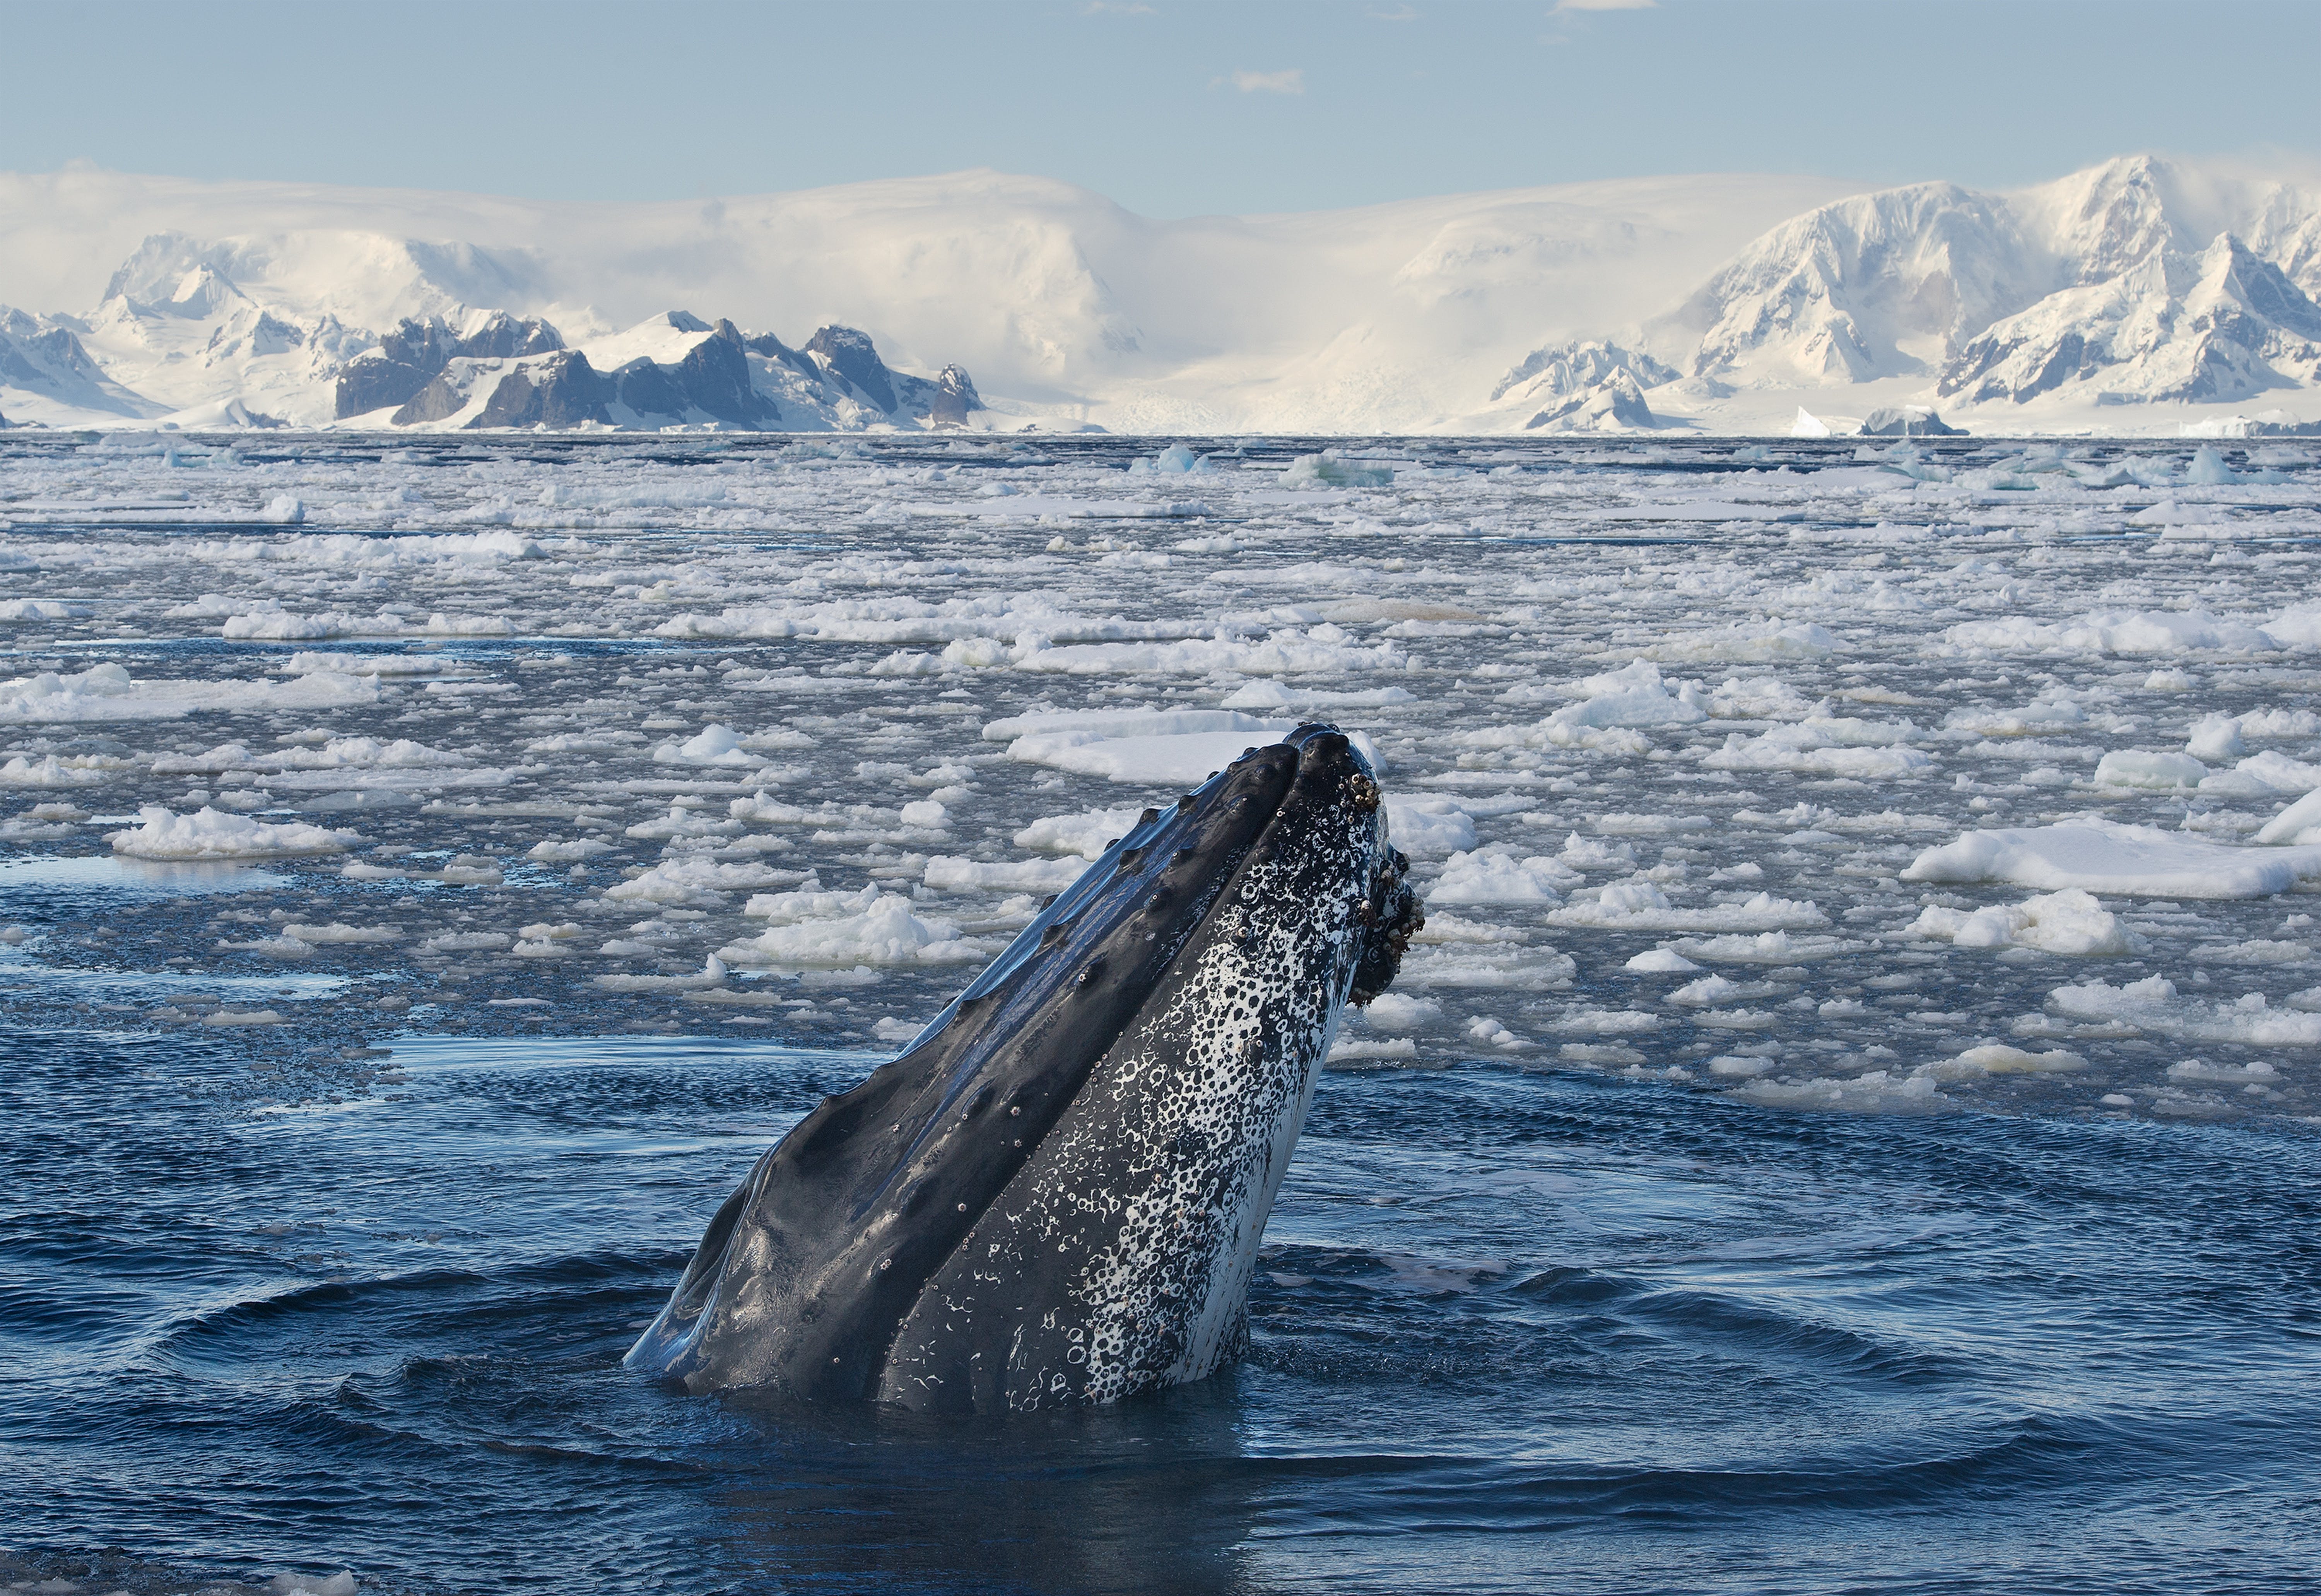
(1120, 1260)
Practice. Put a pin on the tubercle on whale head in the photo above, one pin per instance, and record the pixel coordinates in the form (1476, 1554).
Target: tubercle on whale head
(1390, 914)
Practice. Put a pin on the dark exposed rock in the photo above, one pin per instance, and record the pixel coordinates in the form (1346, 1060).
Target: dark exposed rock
(437, 400)
(954, 397)
(649, 389)
(714, 375)
(413, 355)
(506, 337)
(850, 356)
(561, 392)
(1909, 421)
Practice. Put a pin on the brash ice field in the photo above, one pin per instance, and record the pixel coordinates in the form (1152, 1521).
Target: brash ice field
(1848, 1115)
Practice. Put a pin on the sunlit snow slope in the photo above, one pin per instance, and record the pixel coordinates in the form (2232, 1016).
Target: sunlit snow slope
(2141, 294)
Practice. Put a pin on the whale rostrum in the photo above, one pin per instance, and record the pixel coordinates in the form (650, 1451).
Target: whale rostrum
(1055, 1194)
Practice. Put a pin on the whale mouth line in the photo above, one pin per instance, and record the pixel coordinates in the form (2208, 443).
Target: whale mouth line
(809, 1276)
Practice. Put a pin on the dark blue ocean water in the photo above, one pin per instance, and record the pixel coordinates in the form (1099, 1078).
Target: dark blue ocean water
(1513, 1331)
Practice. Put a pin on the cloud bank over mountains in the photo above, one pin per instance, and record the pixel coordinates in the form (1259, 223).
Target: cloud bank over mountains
(2137, 296)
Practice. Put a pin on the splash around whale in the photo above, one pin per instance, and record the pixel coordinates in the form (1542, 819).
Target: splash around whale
(1055, 1194)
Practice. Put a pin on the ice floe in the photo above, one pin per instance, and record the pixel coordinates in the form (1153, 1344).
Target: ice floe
(2106, 856)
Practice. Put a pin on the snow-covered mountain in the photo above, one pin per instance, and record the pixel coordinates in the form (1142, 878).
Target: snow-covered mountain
(2138, 282)
(2137, 295)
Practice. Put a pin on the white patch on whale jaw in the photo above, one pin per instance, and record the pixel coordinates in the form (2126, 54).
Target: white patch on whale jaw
(1139, 1216)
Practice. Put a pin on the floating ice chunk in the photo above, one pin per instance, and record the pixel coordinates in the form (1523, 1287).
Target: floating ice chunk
(712, 746)
(547, 931)
(1497, 877)
(1650, 826)
(1711, 990)
(1758, 697)
(1393, 1011)
(2151, 1004)
(1662, 962)
(2104, 856)
(1128, 723)
(2209, 468)
(1428, 827)
(945, 873)
(1156, 747)
(1877, 1091)
(306, 662)
(43, 609)
(552, 852)
(1639, 905)
(1633, 696)
(77, 770)
(714, 973)
(1266, 693)
(1178, 459)
(2033, 720)
(1774, 639)
(1596, 853)
(1767, 947)
(466, 942)
(2277, 724)
(283, 510)
(2299, 625)
(1087, 834)
(926, 814)
(2168, 678)
(2068, 922)
(339, 931)
(1818, 748)
(342, 1583)
(2255, 1072)
(2130, 767)
(1808, 425)
(343, 752)
(690, 876)
(107, 692)
(211, 834)
(1289, 651)
(1326, 470)
(1997, 1058)
(2213, 737)
(226, 756)
(1182, 761)
(1586, 1021)
(2257, 951)
(2300, 823)
(2114, 632)
(1347, 1051)
(847, 929)
(1496, 965)
(2265, 773)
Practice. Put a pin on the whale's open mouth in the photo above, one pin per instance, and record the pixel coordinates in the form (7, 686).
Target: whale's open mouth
(1157, 1029)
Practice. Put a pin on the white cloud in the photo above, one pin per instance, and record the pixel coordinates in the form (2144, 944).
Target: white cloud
(1562, 6)
(1290, 80)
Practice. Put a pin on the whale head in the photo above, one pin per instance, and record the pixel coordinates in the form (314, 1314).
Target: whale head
(1055, 1194)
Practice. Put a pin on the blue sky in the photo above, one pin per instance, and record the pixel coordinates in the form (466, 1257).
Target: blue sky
(1170, 107)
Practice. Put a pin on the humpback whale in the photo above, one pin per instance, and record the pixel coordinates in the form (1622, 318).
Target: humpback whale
(1055, 1194)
